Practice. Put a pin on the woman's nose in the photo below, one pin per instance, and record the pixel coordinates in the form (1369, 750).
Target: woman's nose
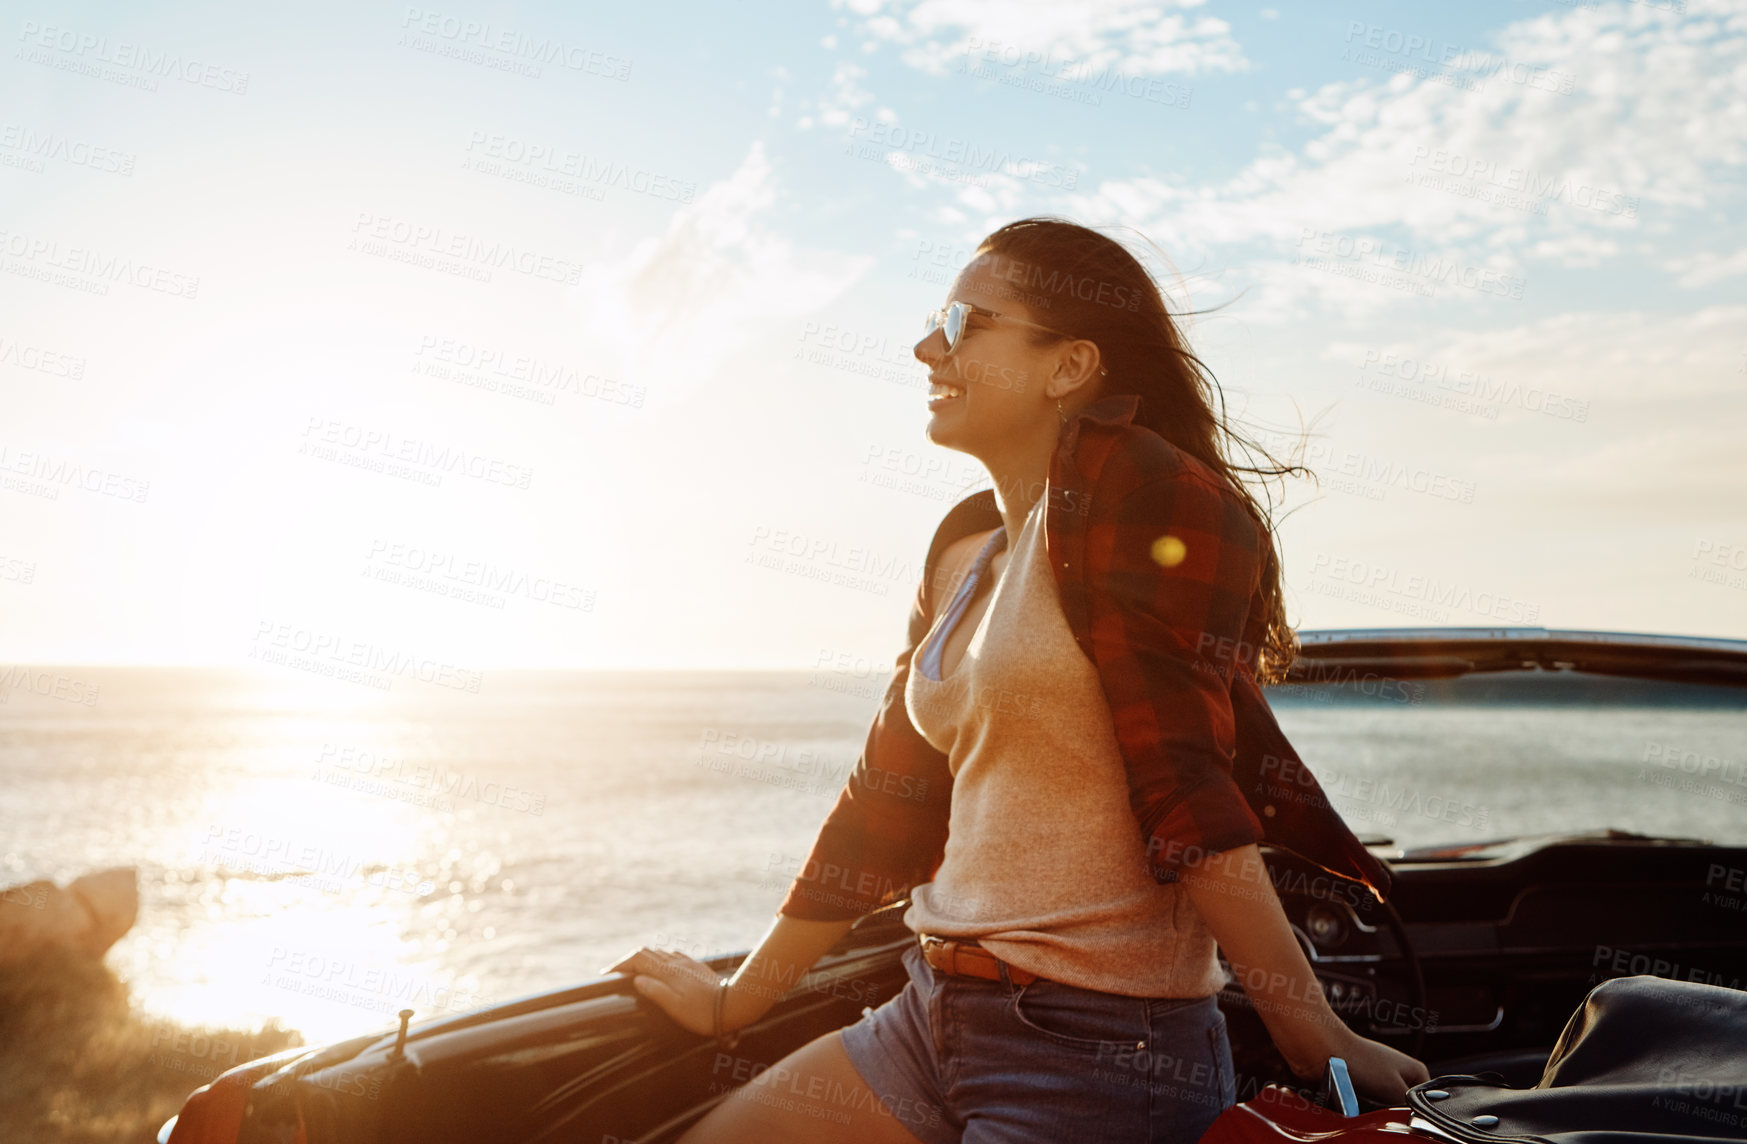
(926, 350)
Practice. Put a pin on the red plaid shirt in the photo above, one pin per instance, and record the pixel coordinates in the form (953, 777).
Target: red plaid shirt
(1159, 567)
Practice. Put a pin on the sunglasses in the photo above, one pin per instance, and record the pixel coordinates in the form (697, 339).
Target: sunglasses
(955, 317)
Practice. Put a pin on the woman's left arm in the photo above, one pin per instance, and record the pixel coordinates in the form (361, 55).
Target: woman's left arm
(1235, 897)
(1173, 566)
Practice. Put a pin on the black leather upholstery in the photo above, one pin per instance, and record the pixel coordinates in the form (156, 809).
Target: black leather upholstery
(1643, 1060)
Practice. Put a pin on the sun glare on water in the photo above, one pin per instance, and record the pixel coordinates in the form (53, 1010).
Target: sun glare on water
(317, 905)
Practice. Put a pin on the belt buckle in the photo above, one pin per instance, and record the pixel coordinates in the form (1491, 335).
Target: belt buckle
(932, 943)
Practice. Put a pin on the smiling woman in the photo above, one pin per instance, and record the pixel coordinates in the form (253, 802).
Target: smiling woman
(1078, 701)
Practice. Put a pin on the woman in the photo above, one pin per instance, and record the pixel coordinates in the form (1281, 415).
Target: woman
(1083, 658)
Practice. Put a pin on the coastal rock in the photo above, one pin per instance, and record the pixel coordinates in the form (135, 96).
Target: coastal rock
(84, 918)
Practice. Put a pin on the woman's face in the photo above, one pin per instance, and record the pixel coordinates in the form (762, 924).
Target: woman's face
(996, 375)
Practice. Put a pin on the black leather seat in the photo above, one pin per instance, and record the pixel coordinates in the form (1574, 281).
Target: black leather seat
(1518, 1068)
(1643, 1060)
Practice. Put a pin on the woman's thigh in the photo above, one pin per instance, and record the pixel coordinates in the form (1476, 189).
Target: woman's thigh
(812, 1096)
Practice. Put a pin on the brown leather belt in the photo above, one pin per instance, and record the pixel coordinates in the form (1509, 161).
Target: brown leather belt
(965, 958)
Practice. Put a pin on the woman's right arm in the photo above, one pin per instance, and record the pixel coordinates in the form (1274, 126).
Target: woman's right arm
(887, 830)
(887, 827)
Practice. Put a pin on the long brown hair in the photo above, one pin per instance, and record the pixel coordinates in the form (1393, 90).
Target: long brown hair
(1077, 279)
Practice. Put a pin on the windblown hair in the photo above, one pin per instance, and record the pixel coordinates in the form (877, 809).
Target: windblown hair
(1079, 280)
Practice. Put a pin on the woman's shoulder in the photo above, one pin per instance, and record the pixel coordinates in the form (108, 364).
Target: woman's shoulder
(1148, 486)
(976, 514)
(1135, 456)
(961, 552)
(958, 537)
(955, 563)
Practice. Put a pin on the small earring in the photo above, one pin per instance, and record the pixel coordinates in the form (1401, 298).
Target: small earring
(1058, 411)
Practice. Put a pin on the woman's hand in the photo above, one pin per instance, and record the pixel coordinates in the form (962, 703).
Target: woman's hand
(1380, 1073)
(683, 986)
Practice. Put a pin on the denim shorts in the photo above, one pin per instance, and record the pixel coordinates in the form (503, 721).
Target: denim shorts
(989, 1062)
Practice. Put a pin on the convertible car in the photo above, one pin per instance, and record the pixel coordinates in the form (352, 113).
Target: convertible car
(1490, 951)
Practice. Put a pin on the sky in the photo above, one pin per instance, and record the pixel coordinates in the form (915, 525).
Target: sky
(492, 335)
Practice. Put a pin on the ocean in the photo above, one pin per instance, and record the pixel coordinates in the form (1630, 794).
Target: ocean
(322, 854)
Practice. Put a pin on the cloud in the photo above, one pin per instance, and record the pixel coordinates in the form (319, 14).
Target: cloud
(1608, 358)
(1707, 267)
(1670, 476)
(835, 108)
(673, 309)
(1132, 37)
(1547, 146)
